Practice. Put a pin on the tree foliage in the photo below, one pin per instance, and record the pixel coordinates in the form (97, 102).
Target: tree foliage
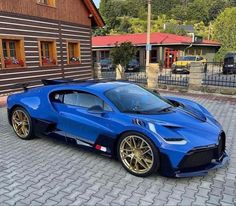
(123, 53)
(129, 16)
(224, 31)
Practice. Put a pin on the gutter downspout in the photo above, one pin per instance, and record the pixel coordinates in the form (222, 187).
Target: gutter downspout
(191, 45)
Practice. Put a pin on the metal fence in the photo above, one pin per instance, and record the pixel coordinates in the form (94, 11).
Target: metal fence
(216, 74)
(107, 74)
(136, 77)
(177, 77)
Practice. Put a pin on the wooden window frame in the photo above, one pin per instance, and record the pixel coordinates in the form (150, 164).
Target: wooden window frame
(53, 55)
(51, 3)
(20, 52)
(77, 52)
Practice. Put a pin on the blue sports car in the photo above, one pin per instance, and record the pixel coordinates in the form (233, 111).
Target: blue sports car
(143, 130)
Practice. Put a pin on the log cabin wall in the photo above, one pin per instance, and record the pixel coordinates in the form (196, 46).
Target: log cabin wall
(32, 29)
(73, 11)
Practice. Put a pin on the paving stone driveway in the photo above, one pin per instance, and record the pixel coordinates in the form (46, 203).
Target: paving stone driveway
(49, 172)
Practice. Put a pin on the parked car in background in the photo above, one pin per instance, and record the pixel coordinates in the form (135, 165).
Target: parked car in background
(133, 66)
(182, 65)
(229, 66)
(106, 64)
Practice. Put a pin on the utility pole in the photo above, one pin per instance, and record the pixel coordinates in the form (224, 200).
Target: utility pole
(148, 47)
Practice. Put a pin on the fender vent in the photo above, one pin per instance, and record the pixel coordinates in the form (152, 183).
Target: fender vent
(139, 122)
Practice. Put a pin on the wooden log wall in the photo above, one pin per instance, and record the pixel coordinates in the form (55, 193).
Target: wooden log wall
(32, 29)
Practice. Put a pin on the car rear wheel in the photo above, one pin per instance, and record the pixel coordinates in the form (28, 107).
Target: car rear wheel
(22, 123)
(138, 154)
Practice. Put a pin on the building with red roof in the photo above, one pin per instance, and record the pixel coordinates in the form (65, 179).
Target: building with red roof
(166, 47)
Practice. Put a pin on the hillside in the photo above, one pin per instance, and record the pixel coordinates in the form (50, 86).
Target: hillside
(130, 16)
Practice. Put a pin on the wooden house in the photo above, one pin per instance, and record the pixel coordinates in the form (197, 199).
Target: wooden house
(45, 39)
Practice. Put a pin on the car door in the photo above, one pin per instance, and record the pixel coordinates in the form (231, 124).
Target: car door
(75, 120)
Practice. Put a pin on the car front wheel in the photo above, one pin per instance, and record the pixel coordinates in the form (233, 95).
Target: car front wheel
(138, 154)
(22, 123)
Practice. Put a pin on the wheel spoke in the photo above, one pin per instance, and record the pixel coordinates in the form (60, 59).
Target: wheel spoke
(22, 130)
(16, 121)
(147, 161)
(141, 145)
(127, 150)
(20, 116)
(142, 164)
(145, 152)
(133, 141)
(136, 167)
(130, 145)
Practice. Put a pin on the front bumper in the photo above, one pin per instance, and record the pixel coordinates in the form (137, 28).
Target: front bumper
(180, 69)
(197, 162)
(168, 171)
(204, 170)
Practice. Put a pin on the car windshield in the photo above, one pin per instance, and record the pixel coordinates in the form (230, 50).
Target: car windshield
(135, 99)
(105, 61)
(187, 58)
(133, 61)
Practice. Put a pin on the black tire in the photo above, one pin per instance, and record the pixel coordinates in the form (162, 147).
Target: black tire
(29, 126)
(155, 154)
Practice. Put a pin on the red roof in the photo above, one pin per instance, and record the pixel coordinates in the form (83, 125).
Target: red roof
(140, 39)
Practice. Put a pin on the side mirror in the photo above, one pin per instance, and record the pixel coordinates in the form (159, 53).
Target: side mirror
(96, 110)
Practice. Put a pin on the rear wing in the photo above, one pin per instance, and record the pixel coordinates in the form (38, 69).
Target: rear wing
(24, 86)
(48, 82)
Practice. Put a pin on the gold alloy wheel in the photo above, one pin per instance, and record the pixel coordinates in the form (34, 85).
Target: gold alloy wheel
(20, 123)
(136, 154)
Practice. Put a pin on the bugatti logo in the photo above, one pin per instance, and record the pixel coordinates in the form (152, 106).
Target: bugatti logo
(101, 148)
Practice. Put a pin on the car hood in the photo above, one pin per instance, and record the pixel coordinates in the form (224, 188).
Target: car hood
(182, 63)
(194, 126)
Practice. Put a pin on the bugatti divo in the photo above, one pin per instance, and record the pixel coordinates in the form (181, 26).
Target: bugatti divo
(145, 131)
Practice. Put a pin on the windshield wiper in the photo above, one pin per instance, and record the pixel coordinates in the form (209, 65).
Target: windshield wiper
(166, 109)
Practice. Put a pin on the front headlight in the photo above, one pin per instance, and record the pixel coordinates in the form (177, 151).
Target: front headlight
(174, 141)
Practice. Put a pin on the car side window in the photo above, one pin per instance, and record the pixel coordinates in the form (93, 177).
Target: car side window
(56, 97)
(85, 100)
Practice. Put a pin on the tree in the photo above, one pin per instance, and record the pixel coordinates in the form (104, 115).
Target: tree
(215, 8)
(198, 11)
(111, 10)
(122, 54)
(224, 31)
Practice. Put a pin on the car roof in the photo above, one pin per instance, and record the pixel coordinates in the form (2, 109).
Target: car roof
(229, 54)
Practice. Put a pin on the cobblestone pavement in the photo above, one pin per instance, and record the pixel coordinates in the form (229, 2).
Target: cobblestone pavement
(48, 172)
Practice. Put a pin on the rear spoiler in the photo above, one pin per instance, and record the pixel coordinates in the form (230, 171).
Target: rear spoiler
(24, 86)
(47, 82)
(56, 81)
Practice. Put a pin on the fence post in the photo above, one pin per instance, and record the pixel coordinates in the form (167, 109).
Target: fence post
(97, 72)
(196, 76)
(152, 75)
(120, 73)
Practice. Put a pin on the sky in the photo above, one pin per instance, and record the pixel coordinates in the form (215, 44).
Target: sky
(96, 2)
